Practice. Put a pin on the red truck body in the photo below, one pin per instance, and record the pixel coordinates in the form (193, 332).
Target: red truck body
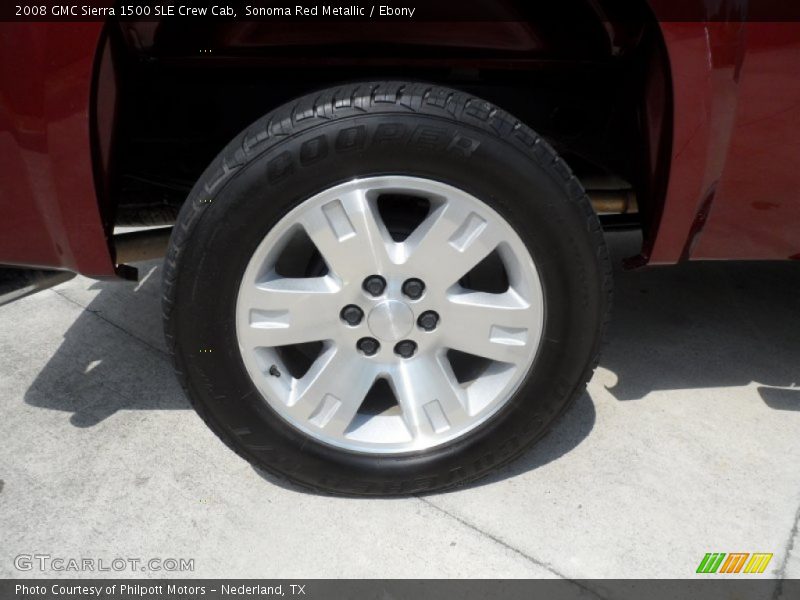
(48, 195)
(731, 186)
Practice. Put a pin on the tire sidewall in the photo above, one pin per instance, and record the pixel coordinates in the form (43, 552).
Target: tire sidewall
(237, 216)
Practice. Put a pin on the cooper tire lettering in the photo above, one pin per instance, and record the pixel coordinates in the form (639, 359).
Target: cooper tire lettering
(351, 139)
(313, 150)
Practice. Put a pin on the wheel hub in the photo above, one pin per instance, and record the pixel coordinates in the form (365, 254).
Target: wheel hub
(391, 320)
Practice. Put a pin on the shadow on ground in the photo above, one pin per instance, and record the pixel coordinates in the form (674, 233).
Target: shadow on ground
(112, 357)
(705, 325)
(689, 326)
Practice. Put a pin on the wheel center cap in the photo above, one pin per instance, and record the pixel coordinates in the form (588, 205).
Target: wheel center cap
(391, 320)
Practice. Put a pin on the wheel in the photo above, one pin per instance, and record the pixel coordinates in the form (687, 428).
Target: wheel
(385, 288)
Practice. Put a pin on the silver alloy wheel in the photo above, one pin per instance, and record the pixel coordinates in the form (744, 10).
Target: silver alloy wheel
(433, 405)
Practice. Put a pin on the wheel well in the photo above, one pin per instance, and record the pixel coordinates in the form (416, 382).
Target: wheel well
(597, 90)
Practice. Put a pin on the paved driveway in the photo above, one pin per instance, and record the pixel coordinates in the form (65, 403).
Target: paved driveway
(687, 442)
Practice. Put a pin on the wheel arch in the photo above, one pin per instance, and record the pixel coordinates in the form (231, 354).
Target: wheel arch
(166, 83)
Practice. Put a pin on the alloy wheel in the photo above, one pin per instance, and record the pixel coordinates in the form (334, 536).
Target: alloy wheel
(382, 342)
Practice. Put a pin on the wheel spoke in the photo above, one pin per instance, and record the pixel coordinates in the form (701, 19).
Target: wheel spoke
(329, 395)
(450, 242)
(350, 235)
(499, 327)
(290, 311)
(429, 396)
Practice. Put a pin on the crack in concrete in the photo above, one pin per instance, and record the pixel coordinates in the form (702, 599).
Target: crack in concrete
(786, 553)
(511, 548)
(115, 325)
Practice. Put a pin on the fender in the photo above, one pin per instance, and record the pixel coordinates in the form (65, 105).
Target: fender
(49, 201)
(705, 61)
(726, 195)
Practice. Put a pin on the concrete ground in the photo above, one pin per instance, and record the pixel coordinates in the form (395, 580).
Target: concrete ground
(687, 442)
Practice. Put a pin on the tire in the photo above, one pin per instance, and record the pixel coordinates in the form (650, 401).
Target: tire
(374, 132)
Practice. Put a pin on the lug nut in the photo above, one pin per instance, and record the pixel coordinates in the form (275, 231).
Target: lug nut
(405, 349)
(352, 315)
(413, 288)
(374, 285)
(428, 320)
(368, 346)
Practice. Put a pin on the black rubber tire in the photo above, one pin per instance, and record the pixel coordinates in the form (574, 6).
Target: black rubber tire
(367, 129)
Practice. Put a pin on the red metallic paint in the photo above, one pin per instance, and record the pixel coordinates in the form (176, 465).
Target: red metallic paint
(733, 184)
(704, 101)
(756, 210)
(49, 212)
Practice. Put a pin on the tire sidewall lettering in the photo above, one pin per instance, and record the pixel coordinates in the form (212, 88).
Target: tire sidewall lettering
(313, 150)
(429, 138)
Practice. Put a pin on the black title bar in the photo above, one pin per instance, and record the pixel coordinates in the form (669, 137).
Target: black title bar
(420, 10)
